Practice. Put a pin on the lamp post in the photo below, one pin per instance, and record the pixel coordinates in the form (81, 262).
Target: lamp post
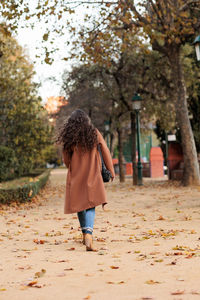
(197, 46)
(107, 128)
(136, 105)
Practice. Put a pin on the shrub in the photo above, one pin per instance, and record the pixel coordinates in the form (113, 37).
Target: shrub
(50, 154)
(22, 190)
(7, 163)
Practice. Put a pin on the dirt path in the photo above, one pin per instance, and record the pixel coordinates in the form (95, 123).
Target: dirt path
(148, 240)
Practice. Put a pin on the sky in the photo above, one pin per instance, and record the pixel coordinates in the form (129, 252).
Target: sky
(31, 39)
(28, 39)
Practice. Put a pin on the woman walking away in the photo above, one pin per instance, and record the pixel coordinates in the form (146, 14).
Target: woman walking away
(84, 186)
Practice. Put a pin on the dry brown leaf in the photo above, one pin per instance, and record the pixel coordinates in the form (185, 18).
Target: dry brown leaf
(178, 253)
(114, 267)
(39, 241)
(63, 260)
(178, 292)
(121, 282)
(101, 239)
(32, 283)
(39, 286)
(161, 218)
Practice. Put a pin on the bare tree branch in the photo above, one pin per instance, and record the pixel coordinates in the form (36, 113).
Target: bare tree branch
(188, 3)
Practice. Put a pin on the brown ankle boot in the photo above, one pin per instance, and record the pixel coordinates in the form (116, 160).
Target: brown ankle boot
(88, 242)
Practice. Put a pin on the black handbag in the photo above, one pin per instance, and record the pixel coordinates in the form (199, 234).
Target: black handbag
(106, 175)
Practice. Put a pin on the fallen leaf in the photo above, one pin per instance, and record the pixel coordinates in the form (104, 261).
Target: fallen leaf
(158, 260)
(190, 255)
(114, 267)
(178, 253)
(32, 283)
(161, 218)
(152, 282)
(173, 263)
(63, 260)
(101, 240)
(39, 241)
(178, 293)
(39, 286)
(195, 293)
(119, 240)
(40, 274)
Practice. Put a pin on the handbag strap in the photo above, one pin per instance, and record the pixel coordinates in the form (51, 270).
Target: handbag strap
(99, 149)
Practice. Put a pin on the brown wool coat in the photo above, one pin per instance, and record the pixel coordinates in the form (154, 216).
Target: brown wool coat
(84, 186)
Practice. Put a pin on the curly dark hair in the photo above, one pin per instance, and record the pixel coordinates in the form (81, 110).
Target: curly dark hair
(77, 131)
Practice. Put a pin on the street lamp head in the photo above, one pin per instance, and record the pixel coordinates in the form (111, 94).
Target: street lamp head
(197, 46)
(136, 102)
(107, 125)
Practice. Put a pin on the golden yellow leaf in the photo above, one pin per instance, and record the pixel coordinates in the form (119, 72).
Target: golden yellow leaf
(152, 282)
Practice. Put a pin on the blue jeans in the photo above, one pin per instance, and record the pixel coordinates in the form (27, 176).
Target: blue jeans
(86, 219)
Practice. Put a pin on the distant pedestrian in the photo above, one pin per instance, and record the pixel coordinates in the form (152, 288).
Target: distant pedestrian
(84, 187)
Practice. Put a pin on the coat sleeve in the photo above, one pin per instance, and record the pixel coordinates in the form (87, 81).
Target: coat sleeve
(66, 158)
(106, 154)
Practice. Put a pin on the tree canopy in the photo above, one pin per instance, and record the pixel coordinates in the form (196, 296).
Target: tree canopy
(23, 120)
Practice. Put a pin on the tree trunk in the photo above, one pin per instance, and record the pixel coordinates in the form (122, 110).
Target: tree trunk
(191, 167)
(120, 156)
(111, 143)
(90, 113)
(133, 152)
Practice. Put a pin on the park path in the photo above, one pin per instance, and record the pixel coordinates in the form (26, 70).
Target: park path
(148, 240)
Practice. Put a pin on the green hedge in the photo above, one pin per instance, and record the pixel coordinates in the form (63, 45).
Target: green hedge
(7, 163)
(22, 190)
